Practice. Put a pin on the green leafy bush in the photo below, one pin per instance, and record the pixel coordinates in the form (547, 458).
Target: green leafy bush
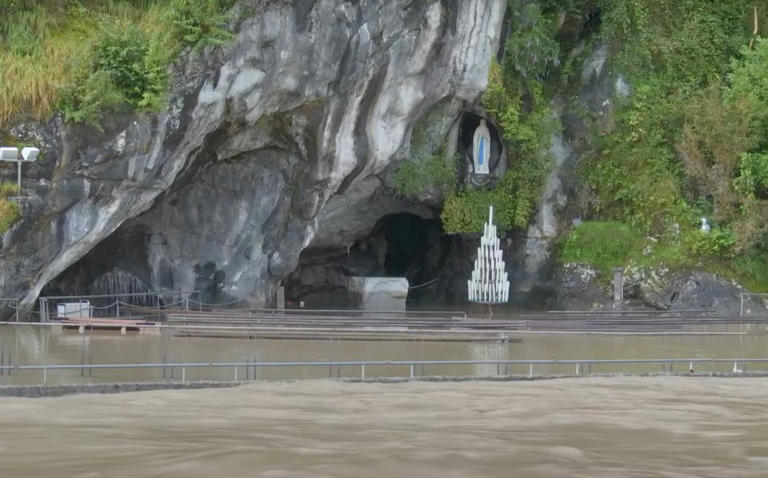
(9, 211)
(717, 243)
(8, 189)
(54, 53)
(753, 174)
(751, 269)
(426, 174)
(603, 245)
(467, 211)
(672, 51)
(121, 53)
(88, 100)
(9, 215)
(199, 23)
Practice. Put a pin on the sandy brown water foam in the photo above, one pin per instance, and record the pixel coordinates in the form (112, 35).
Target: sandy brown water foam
(619, 426)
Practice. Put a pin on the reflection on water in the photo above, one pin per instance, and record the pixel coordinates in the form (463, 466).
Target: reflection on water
(487, 351)
(30, 344)
(589, 427)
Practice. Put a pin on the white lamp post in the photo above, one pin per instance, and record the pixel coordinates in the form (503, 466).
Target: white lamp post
(28, 155)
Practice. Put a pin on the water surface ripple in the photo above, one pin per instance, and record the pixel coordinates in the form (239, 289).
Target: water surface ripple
(586, 427)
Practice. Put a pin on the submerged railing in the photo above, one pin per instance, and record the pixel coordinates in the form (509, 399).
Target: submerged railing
(416, 368)
(109, 305)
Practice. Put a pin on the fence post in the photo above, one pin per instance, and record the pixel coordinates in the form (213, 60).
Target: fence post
(411, 370)
(741, 304)
(42, 305)
(183, 374)
(362, 371)
(618, 286)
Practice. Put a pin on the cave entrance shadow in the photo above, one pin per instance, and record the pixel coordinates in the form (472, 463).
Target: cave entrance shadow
(398, 245)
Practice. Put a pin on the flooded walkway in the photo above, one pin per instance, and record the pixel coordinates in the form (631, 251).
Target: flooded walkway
(588, 427)
(33, 345)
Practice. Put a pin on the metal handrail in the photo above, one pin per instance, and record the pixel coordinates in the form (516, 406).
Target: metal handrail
(130, 294)
(580, 363)
(343, 363)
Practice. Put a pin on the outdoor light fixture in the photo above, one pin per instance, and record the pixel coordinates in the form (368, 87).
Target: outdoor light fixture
(9, 154)
(28, 155)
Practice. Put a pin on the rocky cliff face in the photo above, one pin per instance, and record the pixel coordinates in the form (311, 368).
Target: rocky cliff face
(258, 150)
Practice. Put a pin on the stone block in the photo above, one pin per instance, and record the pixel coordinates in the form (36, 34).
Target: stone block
(378, 293)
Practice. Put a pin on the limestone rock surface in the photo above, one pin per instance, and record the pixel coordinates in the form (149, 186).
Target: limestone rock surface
(223, 190)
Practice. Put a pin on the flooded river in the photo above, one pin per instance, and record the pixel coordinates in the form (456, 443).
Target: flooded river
(29, 344)
(584, 427)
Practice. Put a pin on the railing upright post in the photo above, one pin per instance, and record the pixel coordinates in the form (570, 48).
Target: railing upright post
(362, 371)
(741, 304)
(41, 303)
(183, 374)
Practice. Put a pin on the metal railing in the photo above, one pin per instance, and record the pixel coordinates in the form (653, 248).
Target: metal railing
(582, 366)
(743, 295)
(109, 305)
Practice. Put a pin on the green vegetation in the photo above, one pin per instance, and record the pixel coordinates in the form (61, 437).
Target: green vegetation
(516, 102)
(89, 57)
(608, 244)
(690, 141)
(602, 244)
(426, 173)
(9, 211)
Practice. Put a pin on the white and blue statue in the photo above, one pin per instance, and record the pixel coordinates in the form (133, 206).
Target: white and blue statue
(481, 149)
(705, 225)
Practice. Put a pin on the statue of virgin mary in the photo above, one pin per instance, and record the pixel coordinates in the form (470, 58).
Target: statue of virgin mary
(481, 149)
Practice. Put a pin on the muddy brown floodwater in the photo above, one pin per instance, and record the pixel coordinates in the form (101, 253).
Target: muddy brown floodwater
(28, 344)
(583, 427)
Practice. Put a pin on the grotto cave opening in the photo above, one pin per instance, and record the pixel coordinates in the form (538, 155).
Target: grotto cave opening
(399, 245)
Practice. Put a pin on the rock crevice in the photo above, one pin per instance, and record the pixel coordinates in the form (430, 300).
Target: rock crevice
(311, 102)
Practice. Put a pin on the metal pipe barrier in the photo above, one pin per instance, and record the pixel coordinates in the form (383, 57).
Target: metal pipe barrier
(582, 366)
(742, 295)
(108, 305)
